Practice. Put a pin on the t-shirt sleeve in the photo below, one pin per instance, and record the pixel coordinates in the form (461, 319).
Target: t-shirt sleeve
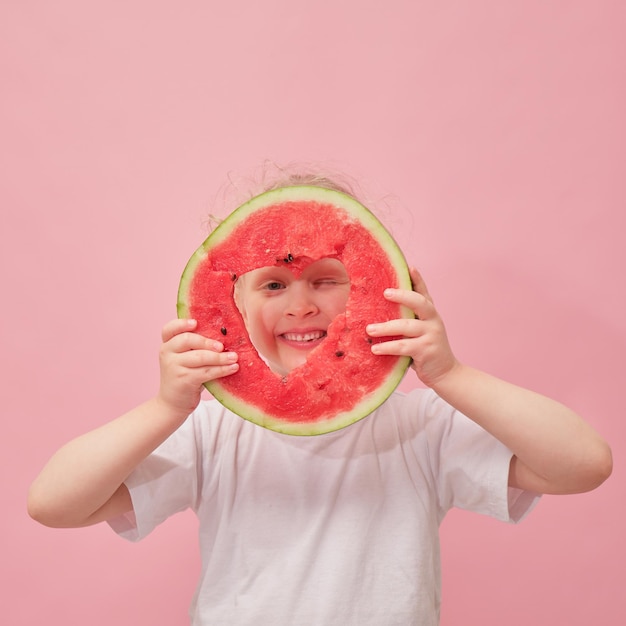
(471, 466)
(165, 483)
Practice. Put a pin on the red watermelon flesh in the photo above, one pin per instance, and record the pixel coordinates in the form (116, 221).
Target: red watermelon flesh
(341, 381)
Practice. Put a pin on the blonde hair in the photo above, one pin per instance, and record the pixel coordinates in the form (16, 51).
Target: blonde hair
(239, 189)
(301, 175)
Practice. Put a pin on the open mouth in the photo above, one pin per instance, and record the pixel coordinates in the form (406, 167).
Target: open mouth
(304, 338)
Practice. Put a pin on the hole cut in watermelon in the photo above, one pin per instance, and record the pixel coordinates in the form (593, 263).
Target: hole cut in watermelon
(341, 381)
(288, 308)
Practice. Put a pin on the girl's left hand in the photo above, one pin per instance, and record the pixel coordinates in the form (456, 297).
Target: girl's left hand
(423, 339)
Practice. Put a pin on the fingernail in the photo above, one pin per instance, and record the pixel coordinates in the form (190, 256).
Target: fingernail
(231, 357)
(389, 292)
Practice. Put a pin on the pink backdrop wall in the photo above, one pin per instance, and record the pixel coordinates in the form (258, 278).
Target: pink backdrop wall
(497, 126)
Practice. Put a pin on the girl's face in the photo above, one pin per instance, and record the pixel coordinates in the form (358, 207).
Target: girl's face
(287, 317)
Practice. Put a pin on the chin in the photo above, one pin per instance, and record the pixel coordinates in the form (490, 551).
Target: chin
(284, 368)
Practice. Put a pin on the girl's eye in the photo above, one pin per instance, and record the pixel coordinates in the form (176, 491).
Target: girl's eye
(274, 286)
(330, 282)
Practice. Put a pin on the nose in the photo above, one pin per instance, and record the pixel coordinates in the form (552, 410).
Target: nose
(301, 300)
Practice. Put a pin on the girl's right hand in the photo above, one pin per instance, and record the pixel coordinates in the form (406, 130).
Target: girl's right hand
(187, 360)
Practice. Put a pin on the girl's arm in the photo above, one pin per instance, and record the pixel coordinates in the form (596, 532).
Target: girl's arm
(83, 483)
(555, 451)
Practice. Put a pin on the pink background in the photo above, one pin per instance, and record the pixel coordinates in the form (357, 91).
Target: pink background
(498, 129)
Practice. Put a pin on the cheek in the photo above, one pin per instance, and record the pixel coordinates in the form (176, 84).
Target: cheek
(338, 302)
(260, 321)
(270, 314)
(239, 296)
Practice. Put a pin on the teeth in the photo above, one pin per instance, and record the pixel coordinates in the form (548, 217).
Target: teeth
(318, 334)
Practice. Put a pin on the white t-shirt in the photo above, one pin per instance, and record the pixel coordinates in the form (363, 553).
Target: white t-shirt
(339, 528)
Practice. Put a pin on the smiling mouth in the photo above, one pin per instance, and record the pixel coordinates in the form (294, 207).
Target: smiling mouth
(305, 337)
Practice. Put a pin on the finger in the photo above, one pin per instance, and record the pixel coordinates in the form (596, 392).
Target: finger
(177, 326)
(419, 286)
(417, 302)
(214, 366)
(396, 347)
(213, 373)
(186, 342)
(206, 359)
(401, 327)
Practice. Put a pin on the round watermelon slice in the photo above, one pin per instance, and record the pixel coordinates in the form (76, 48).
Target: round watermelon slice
(341, 381)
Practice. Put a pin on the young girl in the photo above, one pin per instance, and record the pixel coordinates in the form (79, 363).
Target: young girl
(339, 528)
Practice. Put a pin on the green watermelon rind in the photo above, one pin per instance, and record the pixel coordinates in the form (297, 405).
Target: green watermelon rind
(304, 428)
(365, 405)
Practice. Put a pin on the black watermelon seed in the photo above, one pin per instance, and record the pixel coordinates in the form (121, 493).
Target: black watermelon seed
(223, 330)
(233, 277)
(339, 353)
